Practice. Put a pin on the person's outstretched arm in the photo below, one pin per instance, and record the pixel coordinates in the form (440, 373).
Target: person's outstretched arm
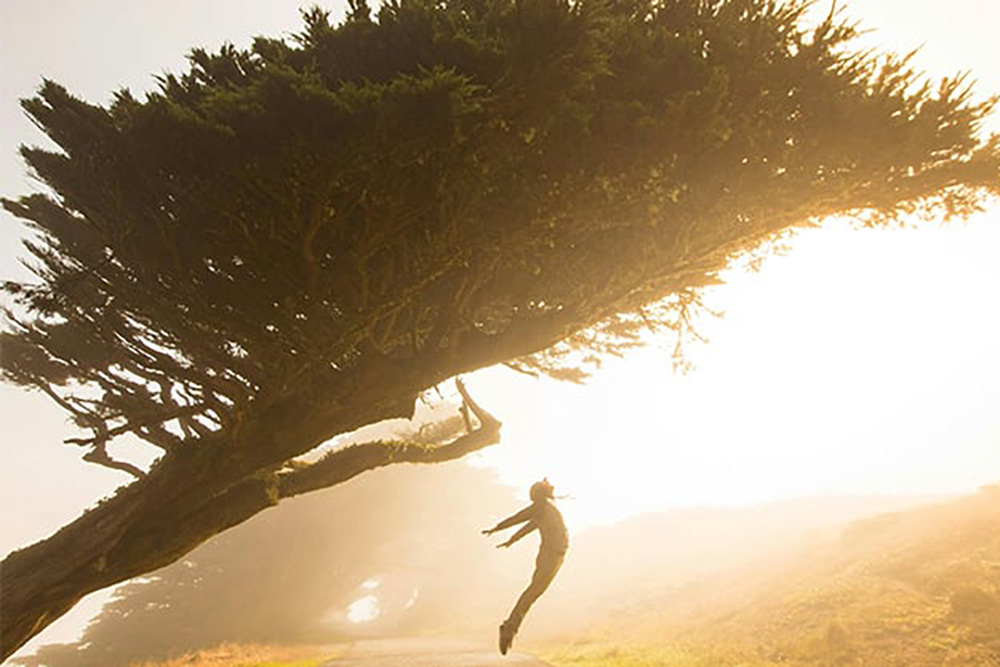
(513, 520)
(521, 532)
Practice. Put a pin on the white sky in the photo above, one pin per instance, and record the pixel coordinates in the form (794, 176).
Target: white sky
(861, 362)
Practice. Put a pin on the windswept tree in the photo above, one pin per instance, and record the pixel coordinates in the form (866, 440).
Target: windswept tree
(290, 242)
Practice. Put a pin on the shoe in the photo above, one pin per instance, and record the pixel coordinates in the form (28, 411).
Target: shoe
(506, 637)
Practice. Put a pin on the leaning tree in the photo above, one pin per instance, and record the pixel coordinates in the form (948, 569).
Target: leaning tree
(293, 241)
(289, 575)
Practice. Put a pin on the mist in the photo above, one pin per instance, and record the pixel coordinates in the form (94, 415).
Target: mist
(398, 553)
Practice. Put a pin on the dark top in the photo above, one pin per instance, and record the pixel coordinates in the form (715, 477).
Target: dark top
(546, 518)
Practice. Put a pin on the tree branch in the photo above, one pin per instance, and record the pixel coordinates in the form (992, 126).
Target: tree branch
(343, 464)
(104, 435)
(101, 457)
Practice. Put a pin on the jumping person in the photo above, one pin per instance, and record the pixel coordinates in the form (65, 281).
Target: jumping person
(542, 515)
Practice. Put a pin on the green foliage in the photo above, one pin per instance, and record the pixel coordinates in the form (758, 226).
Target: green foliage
(446, 185)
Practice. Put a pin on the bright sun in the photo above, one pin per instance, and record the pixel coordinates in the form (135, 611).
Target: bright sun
(864, 361)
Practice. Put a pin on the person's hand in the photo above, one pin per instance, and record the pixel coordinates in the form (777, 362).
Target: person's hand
(504, 545)
(489, 531)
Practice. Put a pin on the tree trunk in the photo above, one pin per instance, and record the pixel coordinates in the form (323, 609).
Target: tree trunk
(139, 530)
(186, 499)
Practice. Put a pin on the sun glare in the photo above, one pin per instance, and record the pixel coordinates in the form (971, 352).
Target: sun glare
(363, 610)
(860, 362)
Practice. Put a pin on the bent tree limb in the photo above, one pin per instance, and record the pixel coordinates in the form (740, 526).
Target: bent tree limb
(342, 464)
(143, 528)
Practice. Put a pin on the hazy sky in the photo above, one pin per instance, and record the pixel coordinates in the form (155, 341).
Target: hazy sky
(860, 362)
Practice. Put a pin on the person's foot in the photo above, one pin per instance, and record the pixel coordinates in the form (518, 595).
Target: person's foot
(506, 637)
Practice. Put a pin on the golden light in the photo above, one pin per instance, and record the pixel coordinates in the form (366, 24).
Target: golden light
(863, 361)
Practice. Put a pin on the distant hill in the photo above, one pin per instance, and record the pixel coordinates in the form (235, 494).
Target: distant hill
(908, 589)
(916, 587)
(670, 560)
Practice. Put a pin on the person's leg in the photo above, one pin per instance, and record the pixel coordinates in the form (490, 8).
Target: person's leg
(546, 566)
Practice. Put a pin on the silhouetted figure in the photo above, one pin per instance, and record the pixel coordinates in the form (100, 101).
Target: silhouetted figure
(542, 515)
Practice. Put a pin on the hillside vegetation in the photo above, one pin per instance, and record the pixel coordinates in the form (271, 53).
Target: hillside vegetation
(914, 588)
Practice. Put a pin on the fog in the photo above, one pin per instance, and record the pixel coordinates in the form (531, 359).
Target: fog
(398, 552)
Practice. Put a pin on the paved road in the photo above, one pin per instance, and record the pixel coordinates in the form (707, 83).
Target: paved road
(429, 652)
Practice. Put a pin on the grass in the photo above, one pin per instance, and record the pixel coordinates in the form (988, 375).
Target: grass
(252, 655)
